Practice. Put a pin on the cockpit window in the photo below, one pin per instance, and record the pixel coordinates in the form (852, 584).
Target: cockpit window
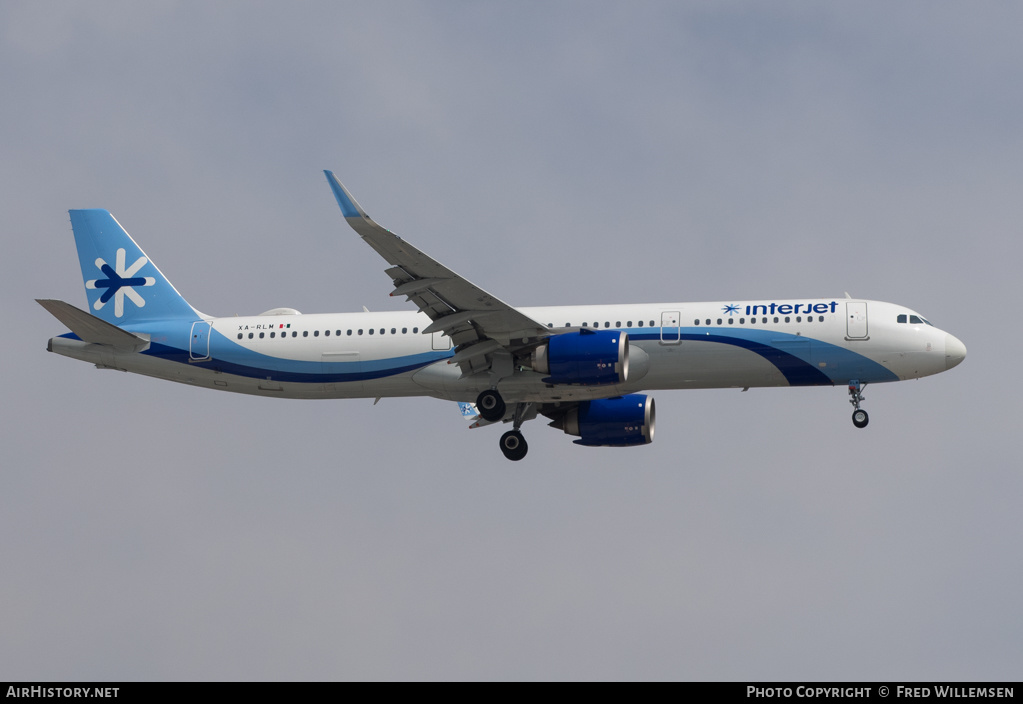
(913, 320)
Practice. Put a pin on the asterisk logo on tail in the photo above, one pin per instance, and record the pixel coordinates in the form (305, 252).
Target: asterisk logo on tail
(120, 282)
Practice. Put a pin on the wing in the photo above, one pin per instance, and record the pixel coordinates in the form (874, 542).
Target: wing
(480, 324)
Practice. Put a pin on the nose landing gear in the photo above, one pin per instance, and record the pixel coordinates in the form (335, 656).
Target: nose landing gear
(859, 416)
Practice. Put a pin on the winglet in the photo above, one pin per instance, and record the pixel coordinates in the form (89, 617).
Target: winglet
(349, 207)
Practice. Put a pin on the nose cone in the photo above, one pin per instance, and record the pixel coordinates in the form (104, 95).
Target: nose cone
(955, 351)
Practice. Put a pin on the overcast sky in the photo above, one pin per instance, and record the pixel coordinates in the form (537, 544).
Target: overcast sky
(554, 153)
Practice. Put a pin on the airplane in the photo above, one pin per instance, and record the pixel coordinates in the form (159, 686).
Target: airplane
(582, 367)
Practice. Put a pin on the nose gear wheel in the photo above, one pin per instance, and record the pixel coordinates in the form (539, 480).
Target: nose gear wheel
(859, 416)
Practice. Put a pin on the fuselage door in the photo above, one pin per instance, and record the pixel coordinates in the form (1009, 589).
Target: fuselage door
(441, 341)
(671, 332)
(199, 346)
(856, 320)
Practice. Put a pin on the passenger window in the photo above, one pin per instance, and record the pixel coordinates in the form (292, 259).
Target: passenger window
(404, 331)
(799, 318)
(696, 322)
(294, 333)
(326, 333)
(776, 318)
(641, 323)
(381, 331)
(260, 336)
(250, 335)
(360, 331)
(415, 329)
(273, 335)
(708, 321)
(371, 331)
(618, 323)
(305, 333)
(651, 323)
(788, 319)
(239, 336)
(393, 331)
(731, 321)
(742, 321)
(316, 333)
(349, 333)
(629, 324)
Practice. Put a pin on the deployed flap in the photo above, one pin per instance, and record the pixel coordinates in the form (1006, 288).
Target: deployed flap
(89, 328)
(459, 308)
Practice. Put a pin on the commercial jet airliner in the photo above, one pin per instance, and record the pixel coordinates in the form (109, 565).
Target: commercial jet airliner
(582, 367)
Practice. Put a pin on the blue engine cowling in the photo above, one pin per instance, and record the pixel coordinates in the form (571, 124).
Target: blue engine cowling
(614, 422)
(586, 357)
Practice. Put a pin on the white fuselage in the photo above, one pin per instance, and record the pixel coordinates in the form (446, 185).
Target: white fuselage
(810, 342)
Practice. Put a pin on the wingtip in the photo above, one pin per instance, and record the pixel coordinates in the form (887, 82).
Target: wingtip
(349, 207)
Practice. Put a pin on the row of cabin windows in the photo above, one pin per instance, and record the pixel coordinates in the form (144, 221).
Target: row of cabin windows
(326, 333)
(596, 324)
(753, 321)
(708, 321)
(607, 324)
(913, 320)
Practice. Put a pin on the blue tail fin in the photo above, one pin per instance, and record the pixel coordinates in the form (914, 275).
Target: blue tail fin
(122, 285)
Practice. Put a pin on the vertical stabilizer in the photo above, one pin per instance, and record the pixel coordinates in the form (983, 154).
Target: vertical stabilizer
(123, 286)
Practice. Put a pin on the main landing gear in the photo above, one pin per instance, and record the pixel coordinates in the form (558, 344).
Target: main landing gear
(492, 409)
(491, 406)
(513, 445)
(859, 416)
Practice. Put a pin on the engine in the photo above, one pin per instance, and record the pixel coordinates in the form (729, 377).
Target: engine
(615, 422)
(590, 357)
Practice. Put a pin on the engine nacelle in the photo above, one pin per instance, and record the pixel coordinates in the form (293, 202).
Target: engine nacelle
(591, 357)
(612, 422)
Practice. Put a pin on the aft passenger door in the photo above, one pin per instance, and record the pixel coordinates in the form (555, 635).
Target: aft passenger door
(199, 346)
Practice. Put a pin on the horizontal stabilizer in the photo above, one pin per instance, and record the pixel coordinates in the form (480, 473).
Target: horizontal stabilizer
(89, 328)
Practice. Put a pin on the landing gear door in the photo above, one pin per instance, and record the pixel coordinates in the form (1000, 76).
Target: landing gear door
(199, 346)
(671, 331)
(856, 320)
